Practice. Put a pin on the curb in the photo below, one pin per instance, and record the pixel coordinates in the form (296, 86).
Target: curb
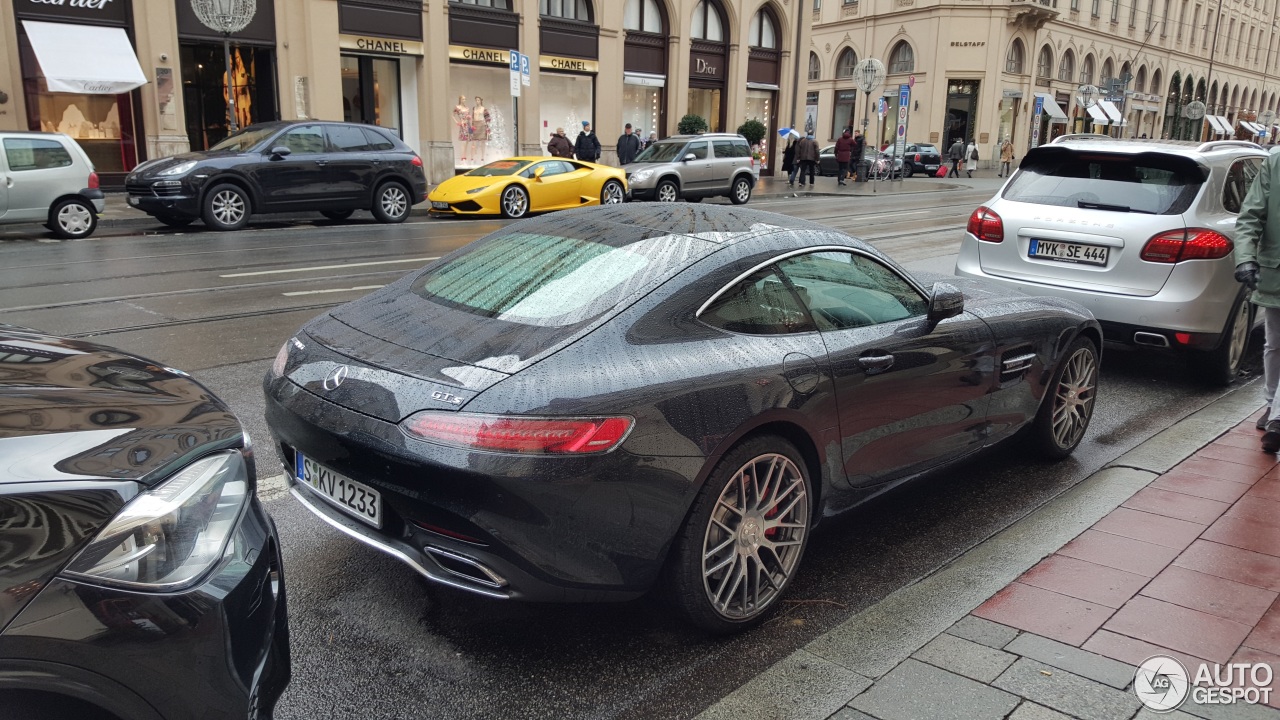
(817, 680)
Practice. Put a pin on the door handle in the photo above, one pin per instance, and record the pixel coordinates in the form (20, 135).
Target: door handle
(875, 363)
(322, 163)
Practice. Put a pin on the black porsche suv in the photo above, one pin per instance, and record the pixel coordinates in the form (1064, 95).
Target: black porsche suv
(140, 577)
(275, 167)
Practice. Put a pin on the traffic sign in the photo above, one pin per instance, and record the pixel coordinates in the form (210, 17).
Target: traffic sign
(524, 70)
(904, 102)
(1035, 123)
(911, 81)
(515, 73)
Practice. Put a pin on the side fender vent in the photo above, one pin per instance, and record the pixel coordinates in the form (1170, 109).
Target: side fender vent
(1015, 363)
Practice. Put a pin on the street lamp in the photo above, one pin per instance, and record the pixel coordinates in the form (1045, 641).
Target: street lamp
(226, 17)
(870, 74)
(1087, 92)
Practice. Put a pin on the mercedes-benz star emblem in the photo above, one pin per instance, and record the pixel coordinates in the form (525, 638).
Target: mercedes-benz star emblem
(335, 378)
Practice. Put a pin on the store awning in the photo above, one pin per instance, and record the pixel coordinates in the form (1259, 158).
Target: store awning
(1219, 124)
(1112, 112)
(85, 59)
(1099, 117)
(1054, 110)
(1253, 127)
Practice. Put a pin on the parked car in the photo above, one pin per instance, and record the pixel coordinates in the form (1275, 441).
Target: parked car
(301, 166)
(694, 167)
(1138, 231)
(517, 186)
(585, 405)
(140, 576)
(47, 177)
(922, 158)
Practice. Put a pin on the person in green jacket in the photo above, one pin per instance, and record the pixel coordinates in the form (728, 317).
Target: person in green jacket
(1257, 257)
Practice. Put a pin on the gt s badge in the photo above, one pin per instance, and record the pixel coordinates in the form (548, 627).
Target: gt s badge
(446, 397)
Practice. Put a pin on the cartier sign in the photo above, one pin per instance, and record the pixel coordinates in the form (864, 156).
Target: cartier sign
(99, 10)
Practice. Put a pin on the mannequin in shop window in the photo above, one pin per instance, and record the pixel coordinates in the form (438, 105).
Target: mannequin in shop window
(479, 131)
(462, 118)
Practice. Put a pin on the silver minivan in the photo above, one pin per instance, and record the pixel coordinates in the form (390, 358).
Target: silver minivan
(693, 167)
(47, 177)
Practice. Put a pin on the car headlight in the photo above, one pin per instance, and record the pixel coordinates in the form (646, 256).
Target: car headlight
(282, 358)
(179, 169)
(641, 176)
(473, 191)
(171, 535)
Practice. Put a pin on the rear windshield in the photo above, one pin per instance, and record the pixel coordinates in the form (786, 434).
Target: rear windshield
(661, 152)
(926, 149)
(550, 279)
(1148, 183)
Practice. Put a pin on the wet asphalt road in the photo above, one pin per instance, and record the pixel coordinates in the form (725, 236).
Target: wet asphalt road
(372, 640)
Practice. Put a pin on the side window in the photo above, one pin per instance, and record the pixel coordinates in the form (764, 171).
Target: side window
(724, 149)
(847, 290)
(347, 138)
(1239, 179)
(744, 150)
(35, 154)
(376, 140)
(760, 305)
(699, 150)
(304, 140)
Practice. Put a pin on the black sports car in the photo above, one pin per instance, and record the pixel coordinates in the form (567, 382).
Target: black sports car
(569, 406)
(303, 166)
(140, 578)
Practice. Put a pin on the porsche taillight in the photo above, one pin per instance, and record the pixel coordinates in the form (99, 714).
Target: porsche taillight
(986, 225)
(1189, 244)
(518, 434)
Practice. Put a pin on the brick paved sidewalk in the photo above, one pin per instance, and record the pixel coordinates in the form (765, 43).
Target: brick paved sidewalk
(1187, 567)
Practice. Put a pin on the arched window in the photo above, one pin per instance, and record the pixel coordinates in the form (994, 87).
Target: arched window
(1014, 60)
(764, 31)
(1044, 64)
(1155, 82)
(568, 9)
(1086, 73)
(1067, 68)
(708, 23)
(902, 59)
(815, 66)
(643, 16)
(1108, 70)
(499, 4)
(1140, 82)
(845, 65)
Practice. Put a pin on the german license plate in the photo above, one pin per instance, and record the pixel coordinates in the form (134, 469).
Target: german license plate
(133, 201)
(437, 205)
(353, 498)
(1068, 252)
(930, 167)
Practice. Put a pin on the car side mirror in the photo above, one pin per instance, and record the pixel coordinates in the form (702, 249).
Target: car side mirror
(537, 174)
(945, 302)
(280, 151)
(690, 156)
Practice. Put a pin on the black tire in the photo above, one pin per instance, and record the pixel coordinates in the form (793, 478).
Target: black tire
(1067, 406)
(514, 202)
(908, 170)
(226, 207)
(175, 221)
(73, 219)
(740, 194)
(612, 193)
(666, 191)
(739, 544)
(337, 215)
(1221, 365)
(391, 202)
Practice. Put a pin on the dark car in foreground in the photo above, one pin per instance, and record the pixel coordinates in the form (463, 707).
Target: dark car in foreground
(140, 578)
(584, 406)
(303, 166)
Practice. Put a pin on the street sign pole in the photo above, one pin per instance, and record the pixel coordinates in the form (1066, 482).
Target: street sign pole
(515, 99)
(900, 138)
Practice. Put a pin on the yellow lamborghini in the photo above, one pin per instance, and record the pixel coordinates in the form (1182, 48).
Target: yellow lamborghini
(517, 186)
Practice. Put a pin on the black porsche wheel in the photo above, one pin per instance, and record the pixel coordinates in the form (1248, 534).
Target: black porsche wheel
(612, 193)
(667, 191)
(175, 221)
(744, 538)
(337, 215)
(1067, 407)
(226, 207)
(391, 203)
(1221, 365)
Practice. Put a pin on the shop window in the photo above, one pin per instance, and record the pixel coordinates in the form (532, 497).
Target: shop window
(569, 9)
(845, 65)
(204, 89)
(842, 117)
(708, 22)
(371, 91)
(496, 4)
(482, 130)
(643, 16)
(764, 32)
(902, 59)
(567, 100)
(1014, 59)
(32, 154)
(1044, 66)
(1067, 68)
(815, 66)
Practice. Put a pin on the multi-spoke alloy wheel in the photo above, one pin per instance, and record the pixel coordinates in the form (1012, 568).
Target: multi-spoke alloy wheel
(392, 203)
(667, 192)
(515, 202)
(226, 207)
(1065, 413)
(755, 537)
(612, 193)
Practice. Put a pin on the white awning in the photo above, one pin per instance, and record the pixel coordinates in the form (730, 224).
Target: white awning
(1051, 106)
(85, 59)
(1254, 127)
(1218, 125)
(1099, 117)
(1112, 111)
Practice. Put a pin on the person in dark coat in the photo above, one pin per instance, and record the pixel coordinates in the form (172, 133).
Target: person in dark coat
(587, 148)
(859, 148)
(789, 165)
(807, 156)
(560, 146)
(629, 146)
(844, 154)
(955, 155)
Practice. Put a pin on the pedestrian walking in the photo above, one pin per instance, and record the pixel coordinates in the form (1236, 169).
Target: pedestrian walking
(807, 157)
(587, 147)
(628, 146)
(559, 146)
(1006, 157)
(859, 149)
(789, 165)
(955, 154)
(653, 138)
(1257, 255)
(844, 154)
(970, 157)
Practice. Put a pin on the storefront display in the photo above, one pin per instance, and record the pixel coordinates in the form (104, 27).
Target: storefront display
(642, 100)
(481, 115)
(567, 101)
(843, 117)
(371, 91)
(760, 106)
(706, 103)
(204, 89)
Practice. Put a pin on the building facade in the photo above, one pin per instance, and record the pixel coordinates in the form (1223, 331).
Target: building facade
(435, 71)
(981, 68)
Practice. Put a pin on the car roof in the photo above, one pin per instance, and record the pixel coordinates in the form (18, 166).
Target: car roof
(734, 136)
(1185, 148)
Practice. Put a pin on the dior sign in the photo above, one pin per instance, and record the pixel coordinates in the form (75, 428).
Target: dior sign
(706, 66)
